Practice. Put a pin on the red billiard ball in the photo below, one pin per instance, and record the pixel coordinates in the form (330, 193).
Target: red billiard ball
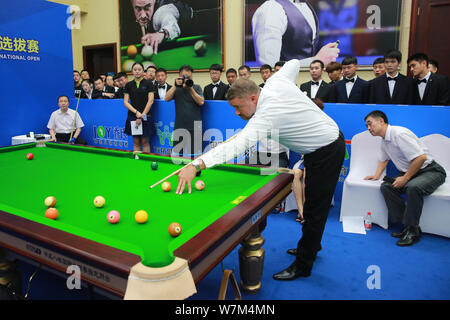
(174, 229)
(166, 186)
(51, 213)
(30, 156)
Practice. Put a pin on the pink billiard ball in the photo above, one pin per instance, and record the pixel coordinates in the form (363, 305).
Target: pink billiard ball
(166, 186)
(199, 185)
(113, 216)
(30, 156)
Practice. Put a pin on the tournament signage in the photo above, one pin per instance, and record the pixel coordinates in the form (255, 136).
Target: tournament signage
(17, 48)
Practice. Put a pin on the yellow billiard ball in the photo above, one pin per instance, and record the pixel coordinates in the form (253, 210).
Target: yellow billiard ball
(99, 201)
(141, 216)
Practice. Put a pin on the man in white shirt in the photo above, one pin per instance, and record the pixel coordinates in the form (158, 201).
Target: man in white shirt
(61, 122)
(285, 30)
(419, 175)
(282, 110)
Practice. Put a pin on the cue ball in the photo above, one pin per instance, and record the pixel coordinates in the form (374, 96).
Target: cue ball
(166, 186)
(174, 229)
(147, 52)
(51, 213)
(99, 201)
(30, 156)
(132, 51)
(154, 165)
(200, 48)
(199, 185)
(50, 201)
(141, 216)
(113, 216)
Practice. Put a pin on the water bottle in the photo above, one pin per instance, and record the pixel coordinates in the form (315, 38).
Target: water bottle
(368, 221)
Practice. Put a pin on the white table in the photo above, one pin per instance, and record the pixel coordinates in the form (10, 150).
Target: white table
(24, 139)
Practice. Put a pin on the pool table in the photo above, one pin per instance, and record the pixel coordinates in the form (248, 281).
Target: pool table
(121, 257)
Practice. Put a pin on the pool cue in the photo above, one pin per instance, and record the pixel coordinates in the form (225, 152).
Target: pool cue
(337, 43)
(75, 118)
(143, 31)
(178, 171)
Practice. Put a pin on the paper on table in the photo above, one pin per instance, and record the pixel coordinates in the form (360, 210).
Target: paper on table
(352, 224)
(136, 130)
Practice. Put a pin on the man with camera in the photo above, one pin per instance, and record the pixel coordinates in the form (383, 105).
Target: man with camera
(187, 135)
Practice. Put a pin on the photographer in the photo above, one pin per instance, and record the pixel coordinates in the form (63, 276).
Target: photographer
(188, 100)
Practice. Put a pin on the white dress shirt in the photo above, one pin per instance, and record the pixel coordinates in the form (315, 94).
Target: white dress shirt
(269, 23)
(391, 84)
(286, 114)
(402, 147)
(315, 89)
(349, 85)
(422, 85)
(162, 91)
(62, 122)
(214, 90)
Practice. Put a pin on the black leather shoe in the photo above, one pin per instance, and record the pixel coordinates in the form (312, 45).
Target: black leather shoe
(291, 273)
(292, 251)
(400, 234)
(411, 236)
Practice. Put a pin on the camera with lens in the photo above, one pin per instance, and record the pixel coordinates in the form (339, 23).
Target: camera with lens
(186, 80)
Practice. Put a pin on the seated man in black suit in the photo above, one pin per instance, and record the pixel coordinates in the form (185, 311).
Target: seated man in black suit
(101, 90)
(431, 89)
(392, 87)
(161, 85)
(217, 89)
(317, 88)
(351, 89)
(266, 71)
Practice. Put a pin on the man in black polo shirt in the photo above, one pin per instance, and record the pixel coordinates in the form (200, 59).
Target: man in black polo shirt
(188, 100)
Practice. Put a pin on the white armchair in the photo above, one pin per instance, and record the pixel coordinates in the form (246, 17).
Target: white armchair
(360, 196)
(435, 216)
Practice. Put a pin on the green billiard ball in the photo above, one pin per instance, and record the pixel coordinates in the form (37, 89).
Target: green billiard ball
(154, 166)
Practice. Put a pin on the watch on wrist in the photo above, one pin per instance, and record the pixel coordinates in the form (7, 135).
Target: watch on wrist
(196, 164)
(165, 33)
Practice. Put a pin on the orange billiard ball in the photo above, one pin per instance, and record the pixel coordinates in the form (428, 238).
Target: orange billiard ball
(51, 213)
(50, 201)
(141, 216)
(174, 229)
(166, 186)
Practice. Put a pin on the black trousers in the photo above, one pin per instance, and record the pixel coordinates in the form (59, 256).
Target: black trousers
(424, 183)
(322, 167)
(64, 137)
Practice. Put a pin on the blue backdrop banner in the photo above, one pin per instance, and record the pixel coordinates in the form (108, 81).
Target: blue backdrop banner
(35, 63)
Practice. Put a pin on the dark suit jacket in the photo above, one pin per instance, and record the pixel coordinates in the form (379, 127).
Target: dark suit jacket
(156, 90)
(359, 93)
(99, 94)
(436, 91)
(403, 91)
(323, 93)
(220, 93)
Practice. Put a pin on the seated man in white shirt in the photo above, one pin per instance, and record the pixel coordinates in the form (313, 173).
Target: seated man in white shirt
(62, 121)
(419, 175)
(303, 128)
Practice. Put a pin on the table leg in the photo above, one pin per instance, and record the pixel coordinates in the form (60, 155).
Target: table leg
(251, 261)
